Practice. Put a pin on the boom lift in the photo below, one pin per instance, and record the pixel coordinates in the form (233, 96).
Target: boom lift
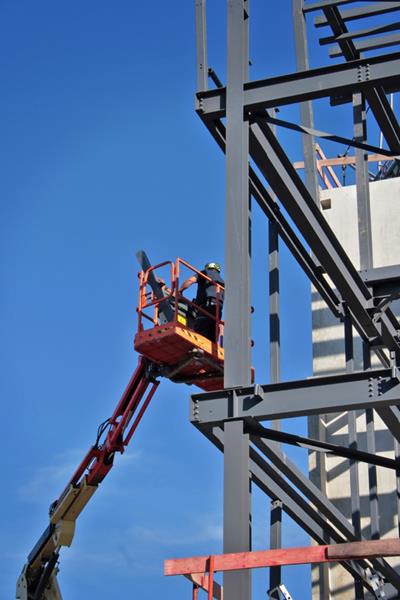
(169, 347)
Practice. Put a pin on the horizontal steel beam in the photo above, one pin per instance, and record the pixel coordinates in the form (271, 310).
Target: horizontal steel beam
(353, 14)
(313, 6)
(256, 429)
(352, 35)
(375, 43)
(344, 78)
(263, 116)
(381, 275)
(283, 556)
(319, 395)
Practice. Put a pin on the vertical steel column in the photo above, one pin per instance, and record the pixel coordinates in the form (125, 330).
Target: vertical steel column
(352, 425)
(306, 110)
(366, 262)
(315, 426)
(371, 447)
(237, 507)
(201, 46)
(275, 573)
(237, 251)
(362, 181)
(237, 520)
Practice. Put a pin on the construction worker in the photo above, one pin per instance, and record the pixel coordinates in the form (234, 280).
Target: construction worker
(208, 297)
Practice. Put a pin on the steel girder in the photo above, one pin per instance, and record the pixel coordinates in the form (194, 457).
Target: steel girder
(314, 396)
(342, 79)
(353, 14)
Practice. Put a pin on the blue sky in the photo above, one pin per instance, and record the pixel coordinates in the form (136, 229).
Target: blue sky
(103, 154)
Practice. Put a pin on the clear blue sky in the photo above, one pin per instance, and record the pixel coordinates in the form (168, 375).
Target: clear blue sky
(102, 154)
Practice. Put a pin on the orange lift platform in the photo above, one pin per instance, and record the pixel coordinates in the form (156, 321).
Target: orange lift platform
(167, 334)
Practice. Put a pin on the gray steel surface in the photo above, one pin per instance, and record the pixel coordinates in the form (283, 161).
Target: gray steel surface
(344, 78)
(383, 41)
(353, 14)
(306, 110)
(201, 45)
(237, 350)
(318, 395)
(237, 251)
(237, 507)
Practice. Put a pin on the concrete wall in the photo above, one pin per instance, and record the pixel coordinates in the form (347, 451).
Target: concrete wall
(331, 473)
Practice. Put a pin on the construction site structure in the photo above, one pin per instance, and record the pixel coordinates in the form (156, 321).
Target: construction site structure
(350, 252)
(346, 242)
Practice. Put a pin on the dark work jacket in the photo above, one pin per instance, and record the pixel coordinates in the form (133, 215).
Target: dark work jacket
(206, 290)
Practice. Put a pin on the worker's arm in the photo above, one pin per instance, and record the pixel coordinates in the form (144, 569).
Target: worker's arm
(190, 281)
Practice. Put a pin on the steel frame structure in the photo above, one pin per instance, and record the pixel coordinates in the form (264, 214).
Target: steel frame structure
(241, 119)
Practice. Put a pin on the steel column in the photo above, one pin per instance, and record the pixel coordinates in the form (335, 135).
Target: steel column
(306, 111)
(237, 507)
(201, 45)
(362, 181)
(237, 251)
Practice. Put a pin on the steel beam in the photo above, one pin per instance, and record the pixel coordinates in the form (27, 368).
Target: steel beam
(341, 79)
(237, 507)
(381, 275)
(237, 364)
(237, 252)
(353, 14)
(353, 454)
(201, 45)
(313, 6)
(384, 41)
(362, 185)
(306, 110)
(285, 556)
(373, 389)
(355, 143)
(360, 33)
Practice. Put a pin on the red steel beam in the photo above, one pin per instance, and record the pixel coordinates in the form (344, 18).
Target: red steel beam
(281, 557)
